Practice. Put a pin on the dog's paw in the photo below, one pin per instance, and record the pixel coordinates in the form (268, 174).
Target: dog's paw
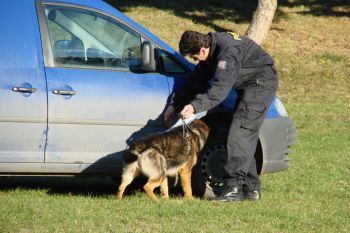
(189, 198)
(119, 196)
(165, 196)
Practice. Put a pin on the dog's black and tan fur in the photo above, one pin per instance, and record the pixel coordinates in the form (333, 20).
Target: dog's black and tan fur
(164, 154)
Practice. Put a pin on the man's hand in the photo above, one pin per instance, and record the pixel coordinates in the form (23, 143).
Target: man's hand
(169, 116)
(187, 111)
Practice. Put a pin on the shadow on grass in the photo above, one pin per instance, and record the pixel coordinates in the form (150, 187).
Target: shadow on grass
(203, 12)
(337, 8)
(58, 185)
(74, 185)
(238, 11)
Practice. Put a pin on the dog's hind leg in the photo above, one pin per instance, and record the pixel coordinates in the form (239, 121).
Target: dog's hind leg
(126, 180)
(128, 175)
(185, 175)
(164, 189)
(151, 185)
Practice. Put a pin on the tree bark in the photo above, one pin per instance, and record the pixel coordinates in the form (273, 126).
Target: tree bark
(262, 19)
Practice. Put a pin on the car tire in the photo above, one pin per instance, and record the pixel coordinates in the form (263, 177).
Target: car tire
(208, 173)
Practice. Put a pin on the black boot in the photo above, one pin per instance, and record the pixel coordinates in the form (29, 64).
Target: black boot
(251, 192)
(231, 193)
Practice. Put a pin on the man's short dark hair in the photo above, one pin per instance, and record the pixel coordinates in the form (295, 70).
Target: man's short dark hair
(191, 42)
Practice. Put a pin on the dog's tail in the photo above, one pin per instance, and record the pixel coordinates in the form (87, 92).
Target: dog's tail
(129, 157)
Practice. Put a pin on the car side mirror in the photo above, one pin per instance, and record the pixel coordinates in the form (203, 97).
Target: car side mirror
(148, 58)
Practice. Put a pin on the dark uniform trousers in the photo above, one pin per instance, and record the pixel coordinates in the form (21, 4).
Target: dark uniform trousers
(254, 99)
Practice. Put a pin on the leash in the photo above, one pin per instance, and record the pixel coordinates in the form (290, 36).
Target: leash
(186, 128)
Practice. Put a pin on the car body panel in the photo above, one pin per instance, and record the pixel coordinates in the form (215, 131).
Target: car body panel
(99, 119)
(276, 137)
(23, 116)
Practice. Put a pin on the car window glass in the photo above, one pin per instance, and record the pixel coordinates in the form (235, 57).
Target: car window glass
(169, 65)
(87, 39)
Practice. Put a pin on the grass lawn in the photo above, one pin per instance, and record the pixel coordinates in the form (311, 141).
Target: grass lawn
(312, 53)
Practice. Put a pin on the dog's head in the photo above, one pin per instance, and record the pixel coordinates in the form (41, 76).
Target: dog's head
(201, 130)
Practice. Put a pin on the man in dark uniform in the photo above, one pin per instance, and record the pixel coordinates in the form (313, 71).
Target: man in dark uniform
(229, 61)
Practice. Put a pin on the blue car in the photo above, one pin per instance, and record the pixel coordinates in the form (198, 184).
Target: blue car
(79, 81)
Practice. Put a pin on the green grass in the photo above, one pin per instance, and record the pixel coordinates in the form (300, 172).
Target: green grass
(313, 58)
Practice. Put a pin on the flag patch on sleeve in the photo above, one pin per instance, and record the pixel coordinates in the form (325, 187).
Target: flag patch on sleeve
(222, 64)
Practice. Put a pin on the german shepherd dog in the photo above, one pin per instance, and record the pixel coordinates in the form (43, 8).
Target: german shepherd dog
(164, 154)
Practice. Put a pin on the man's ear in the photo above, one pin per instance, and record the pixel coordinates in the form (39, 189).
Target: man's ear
(202, 50)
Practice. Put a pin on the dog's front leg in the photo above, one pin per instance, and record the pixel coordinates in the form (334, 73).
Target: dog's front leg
(185, 175)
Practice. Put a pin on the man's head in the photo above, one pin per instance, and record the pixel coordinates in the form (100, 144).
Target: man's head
(195, 44)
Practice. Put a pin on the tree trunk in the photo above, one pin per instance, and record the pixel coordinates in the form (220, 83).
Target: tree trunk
(262, 20)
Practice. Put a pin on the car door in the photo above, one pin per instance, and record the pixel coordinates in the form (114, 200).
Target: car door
(23, 99)
(99, 98)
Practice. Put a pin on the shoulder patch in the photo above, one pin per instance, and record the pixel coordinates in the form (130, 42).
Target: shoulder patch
(235, 36)
(222, 64)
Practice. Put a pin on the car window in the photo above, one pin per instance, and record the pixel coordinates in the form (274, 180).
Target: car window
(87, 39)
(168, 63)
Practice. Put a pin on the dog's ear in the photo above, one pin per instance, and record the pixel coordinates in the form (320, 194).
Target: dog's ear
(129, 157)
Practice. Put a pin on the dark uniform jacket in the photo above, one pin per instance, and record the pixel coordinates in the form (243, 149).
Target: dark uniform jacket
(232, 61)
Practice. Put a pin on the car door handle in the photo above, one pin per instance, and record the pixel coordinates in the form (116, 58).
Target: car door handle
(63, 92)
(24, 89)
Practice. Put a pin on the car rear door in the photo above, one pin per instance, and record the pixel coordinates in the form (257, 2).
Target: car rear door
(98, 97)
(23, 97)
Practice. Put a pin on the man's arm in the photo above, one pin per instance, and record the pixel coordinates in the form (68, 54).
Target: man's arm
(182, 97)
(225, 76)
(190, 88)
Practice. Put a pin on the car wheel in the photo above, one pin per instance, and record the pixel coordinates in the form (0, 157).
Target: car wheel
(208, 173)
